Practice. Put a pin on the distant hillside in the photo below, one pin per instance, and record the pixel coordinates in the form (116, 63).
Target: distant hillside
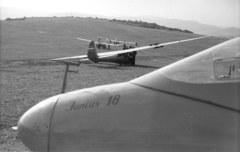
(74, 14)
(193, 26)
(227, 32)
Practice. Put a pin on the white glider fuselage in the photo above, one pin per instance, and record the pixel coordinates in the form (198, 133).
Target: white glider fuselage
(186, 106)
(128, 117)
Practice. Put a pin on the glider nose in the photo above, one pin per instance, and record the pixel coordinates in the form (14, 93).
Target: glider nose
(34, 125)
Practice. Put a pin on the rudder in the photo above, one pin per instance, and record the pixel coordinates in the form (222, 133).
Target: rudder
(92, 52)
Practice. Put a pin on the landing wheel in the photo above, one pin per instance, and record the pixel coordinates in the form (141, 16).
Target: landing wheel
(132, 60)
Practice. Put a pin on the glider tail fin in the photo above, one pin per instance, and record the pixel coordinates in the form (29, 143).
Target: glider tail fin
(92, 52)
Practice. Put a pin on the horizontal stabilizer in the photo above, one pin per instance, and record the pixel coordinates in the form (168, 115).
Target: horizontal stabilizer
(73, 57)
(84, 39)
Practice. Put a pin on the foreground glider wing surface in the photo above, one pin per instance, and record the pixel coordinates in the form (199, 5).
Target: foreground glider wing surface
(122, 56)
(190, 105)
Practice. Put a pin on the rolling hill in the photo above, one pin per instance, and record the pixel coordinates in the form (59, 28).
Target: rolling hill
(193, 26)
(53, 37)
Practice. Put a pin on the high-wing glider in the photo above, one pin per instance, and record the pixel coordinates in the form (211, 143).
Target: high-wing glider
(101, 42)
(120, 43)
(190, 105)
(122, 57)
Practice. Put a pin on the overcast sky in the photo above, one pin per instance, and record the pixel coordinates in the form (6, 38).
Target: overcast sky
(213, 12)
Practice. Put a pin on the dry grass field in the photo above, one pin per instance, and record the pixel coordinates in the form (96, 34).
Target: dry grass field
(28, 76)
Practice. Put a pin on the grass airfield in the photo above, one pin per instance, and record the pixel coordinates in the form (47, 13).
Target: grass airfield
(28, 76)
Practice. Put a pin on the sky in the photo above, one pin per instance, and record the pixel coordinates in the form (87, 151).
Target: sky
(224, 13)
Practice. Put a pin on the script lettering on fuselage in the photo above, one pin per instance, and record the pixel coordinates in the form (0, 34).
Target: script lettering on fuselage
(112, 101)
(87, 105)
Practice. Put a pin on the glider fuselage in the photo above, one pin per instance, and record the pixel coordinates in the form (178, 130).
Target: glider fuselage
(111, 118)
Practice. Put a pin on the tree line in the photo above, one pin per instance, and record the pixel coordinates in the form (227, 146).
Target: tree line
(16, 19)
(149, 25)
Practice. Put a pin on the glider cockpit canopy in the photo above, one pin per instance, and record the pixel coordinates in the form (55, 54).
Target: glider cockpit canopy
(217, 64)
(214, 65)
